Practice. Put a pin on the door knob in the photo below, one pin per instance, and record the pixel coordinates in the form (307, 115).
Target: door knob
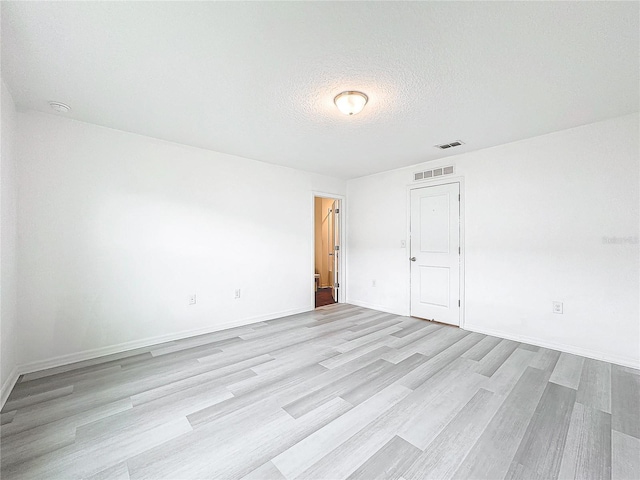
(413, 259)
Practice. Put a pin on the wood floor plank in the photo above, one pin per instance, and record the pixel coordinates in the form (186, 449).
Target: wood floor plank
(86, 366)
(531, 348)
(439, 341)
(480, 349)
(25, 425)
(372, 320)
(153, 413)
(117, 472)
(49, 382)
(587, 452)
(508, 374)
(282, 359)
(89, 399)
(346, 458)
(540, 452)
(289, 386)
(233, 456)
(494, 451)
(7, 416)
(223, 376)
(488, 365)
(625, 456)
(315, 398)
(443, 456)
(429, 342)
(350, 345)
(392, 373)
(568, 370)
(355, 334)
(38, 398)
(266, 471)
(337, 392)
(389, 462)
(437, 412)
(404, 343)
(304, 454)
(346, 357)
(546, 359)
(274, 379)
(27, 445)
(594, 389)
(442, 360)
(625, 401)
(200, 341)
(337, 373)
(73, 462)
(413, 327)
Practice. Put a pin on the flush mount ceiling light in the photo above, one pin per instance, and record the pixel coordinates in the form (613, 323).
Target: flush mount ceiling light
(350, 102)
(60, 107)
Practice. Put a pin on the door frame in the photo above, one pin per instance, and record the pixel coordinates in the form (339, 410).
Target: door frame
(342, 263)
(433, 183)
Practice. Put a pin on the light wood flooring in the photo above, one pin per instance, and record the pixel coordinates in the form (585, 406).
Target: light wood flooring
(340, 392)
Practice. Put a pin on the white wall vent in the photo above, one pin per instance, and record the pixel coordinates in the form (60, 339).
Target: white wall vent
(444, 146)
(436, 172)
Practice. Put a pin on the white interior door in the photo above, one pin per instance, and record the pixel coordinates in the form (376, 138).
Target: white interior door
(435, 253)
(335, 229)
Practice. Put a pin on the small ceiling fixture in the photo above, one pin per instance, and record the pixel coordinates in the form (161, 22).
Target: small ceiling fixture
(60, 107)
(350, 102)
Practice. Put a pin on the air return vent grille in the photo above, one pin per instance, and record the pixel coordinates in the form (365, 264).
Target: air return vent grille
(436, 172)
(444, 146)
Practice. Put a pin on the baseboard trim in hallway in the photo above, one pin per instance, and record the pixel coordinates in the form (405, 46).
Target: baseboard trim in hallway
(338, 392)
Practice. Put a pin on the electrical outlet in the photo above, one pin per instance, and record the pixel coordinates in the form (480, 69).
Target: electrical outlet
(403, 244)
(192, 299)
(237, 293)
(373, 283)
(557, 307)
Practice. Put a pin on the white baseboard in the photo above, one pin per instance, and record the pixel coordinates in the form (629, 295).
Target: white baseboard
(583, 352)
(373, 306)
(146, 342)
(8, 385)
(59, 361)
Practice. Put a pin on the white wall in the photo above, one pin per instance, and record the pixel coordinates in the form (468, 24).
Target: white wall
(116, 230)
(537, 212)
(8, 224)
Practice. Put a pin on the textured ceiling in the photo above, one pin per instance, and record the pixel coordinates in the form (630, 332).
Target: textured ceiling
(258, 79)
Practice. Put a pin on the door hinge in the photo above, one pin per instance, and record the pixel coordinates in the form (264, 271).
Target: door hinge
(336, 285)
(458, 303)
(459, 252)
(337, 247)
(337, 210)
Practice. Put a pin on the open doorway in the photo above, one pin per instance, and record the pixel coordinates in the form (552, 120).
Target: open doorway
(327, 250)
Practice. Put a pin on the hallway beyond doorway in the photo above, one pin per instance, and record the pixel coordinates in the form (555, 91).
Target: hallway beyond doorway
(324, 296)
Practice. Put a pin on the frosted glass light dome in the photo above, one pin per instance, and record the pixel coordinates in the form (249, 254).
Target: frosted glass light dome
(351, 102)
